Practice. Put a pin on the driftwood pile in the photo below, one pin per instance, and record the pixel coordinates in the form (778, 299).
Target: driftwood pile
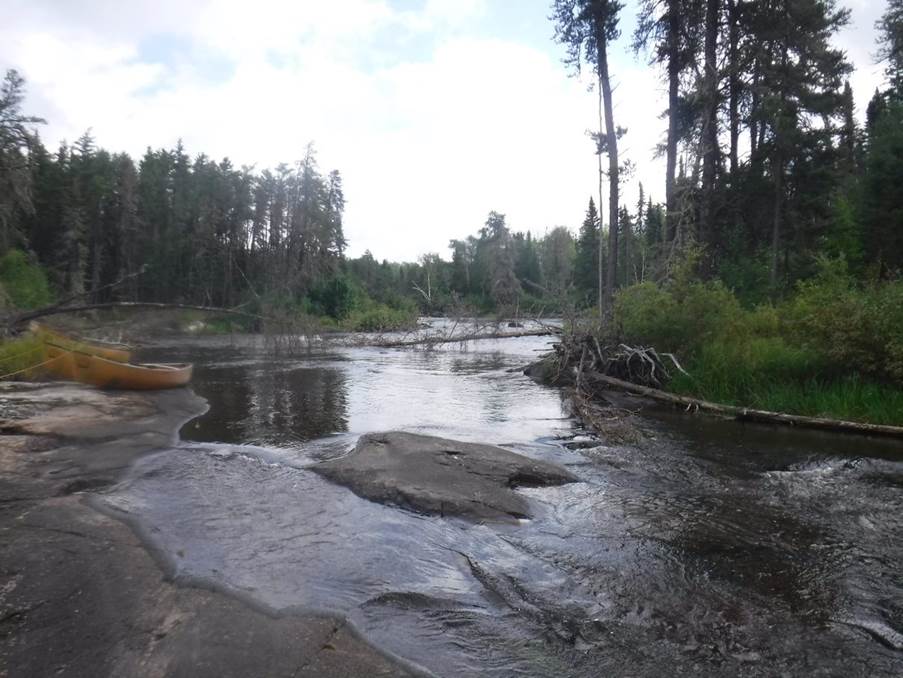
(583, 355)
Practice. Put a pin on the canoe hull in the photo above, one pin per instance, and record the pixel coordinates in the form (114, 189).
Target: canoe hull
(59, 362)
(103, 373)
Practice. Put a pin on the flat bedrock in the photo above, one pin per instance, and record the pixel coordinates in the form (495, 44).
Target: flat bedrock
(79, 593)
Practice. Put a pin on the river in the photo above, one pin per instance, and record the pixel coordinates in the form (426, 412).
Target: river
(704, 547)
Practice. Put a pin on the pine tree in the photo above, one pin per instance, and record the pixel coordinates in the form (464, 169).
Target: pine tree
(890, 45)
(16, 141)
(586, 263)
(586, 28)
(526, 265)
(800, 79)
(667, 26)
(881, 197)
(502, 283)
(557, 261)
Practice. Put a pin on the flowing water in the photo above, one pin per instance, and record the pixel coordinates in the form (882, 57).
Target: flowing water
(707, 547)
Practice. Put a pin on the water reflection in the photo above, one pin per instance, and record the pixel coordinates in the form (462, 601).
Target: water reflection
(270, 404)
(452, 391)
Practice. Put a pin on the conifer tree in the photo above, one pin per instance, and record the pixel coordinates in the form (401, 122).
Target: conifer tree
(586, 263)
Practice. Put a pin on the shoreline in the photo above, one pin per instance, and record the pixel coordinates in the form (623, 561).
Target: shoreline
(83, 594)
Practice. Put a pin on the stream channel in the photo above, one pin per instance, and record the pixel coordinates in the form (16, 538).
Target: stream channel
(704, 547)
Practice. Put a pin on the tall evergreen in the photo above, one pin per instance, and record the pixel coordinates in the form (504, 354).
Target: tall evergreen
(890, 44)
(17, 140)
(586, 263)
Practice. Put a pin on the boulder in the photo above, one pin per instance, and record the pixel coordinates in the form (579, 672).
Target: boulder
(442, 477)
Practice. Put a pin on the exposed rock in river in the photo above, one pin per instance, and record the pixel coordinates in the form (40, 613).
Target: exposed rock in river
(441, 476)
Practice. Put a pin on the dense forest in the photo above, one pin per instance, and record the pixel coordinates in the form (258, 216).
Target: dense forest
(768, 175)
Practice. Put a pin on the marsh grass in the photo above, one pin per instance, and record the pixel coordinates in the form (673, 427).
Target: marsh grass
(849, 397)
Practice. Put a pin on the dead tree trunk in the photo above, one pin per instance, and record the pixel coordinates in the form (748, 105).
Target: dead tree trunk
(611, 147)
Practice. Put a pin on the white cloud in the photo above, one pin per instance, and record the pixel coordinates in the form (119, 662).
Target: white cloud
(431, 126)
(858, 41)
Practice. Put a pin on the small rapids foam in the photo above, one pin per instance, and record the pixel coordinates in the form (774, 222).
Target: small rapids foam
(877, 629)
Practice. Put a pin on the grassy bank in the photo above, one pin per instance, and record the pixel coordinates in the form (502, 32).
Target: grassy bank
(20, 354)
(833, 349)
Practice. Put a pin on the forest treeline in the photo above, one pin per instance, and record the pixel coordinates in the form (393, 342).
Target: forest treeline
(766, 166)
(767, 170)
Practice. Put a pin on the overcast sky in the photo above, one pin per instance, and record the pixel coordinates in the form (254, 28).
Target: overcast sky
(434, 111)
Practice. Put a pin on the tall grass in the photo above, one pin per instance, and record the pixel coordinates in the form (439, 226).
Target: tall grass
(780, 378)
(18, 355)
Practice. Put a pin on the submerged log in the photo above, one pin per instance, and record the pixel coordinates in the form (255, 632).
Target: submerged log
(22, 318)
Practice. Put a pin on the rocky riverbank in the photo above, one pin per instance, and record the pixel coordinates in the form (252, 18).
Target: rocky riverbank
(80, 595)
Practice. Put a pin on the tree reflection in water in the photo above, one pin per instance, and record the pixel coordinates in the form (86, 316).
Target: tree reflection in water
(270, 404)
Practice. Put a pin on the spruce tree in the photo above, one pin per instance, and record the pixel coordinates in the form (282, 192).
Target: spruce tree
(586, 263)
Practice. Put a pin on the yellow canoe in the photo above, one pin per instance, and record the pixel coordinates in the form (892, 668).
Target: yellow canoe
(59, 361)
(103, 373)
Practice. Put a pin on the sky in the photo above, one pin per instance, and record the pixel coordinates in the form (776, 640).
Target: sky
(434, 111)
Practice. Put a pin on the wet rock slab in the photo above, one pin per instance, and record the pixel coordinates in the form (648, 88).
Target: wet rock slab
(440, 476)
(79, 593)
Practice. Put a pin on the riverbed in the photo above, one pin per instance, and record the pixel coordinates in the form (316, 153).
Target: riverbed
(702, 547)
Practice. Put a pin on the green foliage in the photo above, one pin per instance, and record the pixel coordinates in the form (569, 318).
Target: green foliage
(679, 317)
(882, 197)
(586, 263)
(380, 318)
(834, 349)
(20, 354)
(844, 237)
(742, 372)
(890, 41)
(643, 314)
(334, 297)
(855, 328)
(850, 398)
(747, 276)
(227, 324)
(24, 283)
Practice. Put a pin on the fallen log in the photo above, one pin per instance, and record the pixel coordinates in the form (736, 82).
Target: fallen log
(57, 310)
(453, 339)
(745, 413)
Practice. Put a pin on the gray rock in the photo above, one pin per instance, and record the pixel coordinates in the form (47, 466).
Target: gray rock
(440, 476)
(79, 593)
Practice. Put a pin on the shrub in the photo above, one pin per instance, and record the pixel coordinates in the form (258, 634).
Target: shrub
(380, 318)
(679, 318)
(859, 330)
(830, 350)
(24, 283)
(645, 313)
